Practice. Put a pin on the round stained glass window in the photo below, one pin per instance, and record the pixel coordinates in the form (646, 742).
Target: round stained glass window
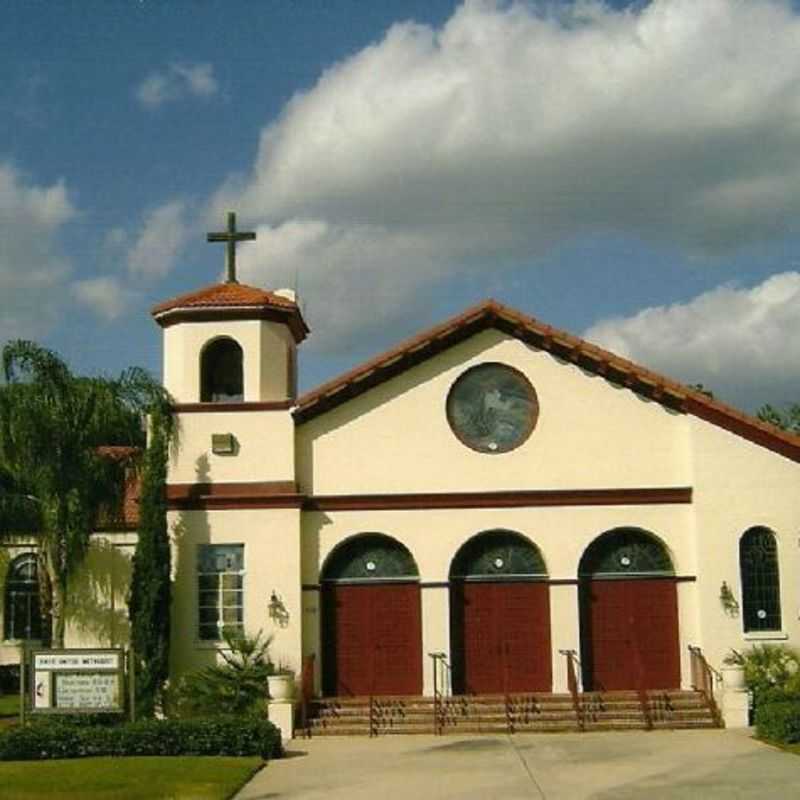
(492, 408)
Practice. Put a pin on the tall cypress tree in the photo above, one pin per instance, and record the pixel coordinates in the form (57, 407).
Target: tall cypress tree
(149, 602)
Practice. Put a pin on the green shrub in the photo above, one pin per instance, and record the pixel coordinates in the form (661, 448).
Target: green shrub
(769, 667)
(80, 720)
(221, 735)
(779, 721)
(238, 686)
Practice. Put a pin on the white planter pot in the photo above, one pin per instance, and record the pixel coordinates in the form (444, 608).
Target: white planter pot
(281, 687)
(733, 678)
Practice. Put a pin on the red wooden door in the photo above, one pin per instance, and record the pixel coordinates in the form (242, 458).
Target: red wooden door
(504, 637)
(372, 639)
(629, 632)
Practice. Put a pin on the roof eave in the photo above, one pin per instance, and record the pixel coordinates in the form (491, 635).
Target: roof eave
(289, 315)
(491, 314)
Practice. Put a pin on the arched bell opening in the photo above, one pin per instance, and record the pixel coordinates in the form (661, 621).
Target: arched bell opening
(500, 616)
(222, 372)
(628, 613)
(371, 619)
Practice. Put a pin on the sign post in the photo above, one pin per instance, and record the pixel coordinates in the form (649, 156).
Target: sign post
(77, 681)
(23, 660)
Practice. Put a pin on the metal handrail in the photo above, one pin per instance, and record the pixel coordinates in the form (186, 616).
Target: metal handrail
(442, 687)
(642, 692)
(510, 726)
(717, 675)
(373, 722)
(306, 693)
(703, 675)
(572, 685)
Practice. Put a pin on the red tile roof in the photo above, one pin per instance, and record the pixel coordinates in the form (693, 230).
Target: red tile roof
(130, 502)
(491, 314)
(127, 518)
(231, 300)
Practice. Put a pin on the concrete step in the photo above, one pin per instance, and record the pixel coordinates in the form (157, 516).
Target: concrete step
(490, 713)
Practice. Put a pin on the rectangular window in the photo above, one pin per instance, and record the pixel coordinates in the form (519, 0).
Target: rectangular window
(220, 589)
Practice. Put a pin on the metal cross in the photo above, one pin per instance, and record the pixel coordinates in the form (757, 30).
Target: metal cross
(230, 237)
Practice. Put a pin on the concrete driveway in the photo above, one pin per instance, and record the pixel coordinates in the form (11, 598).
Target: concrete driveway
(690, 765)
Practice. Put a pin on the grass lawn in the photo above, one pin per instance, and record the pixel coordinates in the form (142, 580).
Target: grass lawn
(9, 710)
(789, 748)
(132, 778)
(9, 705)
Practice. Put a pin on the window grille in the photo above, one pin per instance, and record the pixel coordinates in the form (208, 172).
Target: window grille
(369, 557)
(761, 592)
(23, 616)
(498, 554)
(220, 590)
(625, 552)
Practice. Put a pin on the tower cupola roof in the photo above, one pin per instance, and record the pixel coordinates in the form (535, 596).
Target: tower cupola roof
(225, 301)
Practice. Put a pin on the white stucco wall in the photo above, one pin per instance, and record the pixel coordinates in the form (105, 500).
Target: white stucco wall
(271, 563)
(264, 447)
(562, 535)
(739, 485)
(590, 433)
(395, 438)
(265, 347)
(97, 611)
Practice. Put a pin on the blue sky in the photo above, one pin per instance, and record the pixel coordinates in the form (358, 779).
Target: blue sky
(625, 171)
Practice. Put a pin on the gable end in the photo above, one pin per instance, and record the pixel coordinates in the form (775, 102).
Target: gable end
(491, 314)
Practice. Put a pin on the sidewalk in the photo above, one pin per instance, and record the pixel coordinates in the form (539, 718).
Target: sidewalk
(658, 765)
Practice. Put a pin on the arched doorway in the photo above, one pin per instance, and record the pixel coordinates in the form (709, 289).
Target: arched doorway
(371, 619)
(500, 616)
(629, 613)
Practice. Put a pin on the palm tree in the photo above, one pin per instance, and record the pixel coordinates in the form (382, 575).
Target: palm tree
(58, 477)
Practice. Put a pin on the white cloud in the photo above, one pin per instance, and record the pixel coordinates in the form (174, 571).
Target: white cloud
(516, 126)
(176, 82)
(740, 343)
(160, 241)
(199, 78)
(115, 239)
(149, 255)
(33, 270)
(106, 296)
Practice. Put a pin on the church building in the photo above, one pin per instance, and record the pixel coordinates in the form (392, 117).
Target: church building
(494, 491)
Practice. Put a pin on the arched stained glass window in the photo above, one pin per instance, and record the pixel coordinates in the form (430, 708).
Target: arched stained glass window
(221, 372)
(625, 552)
(498, 555)
(761, 589)
(23, 617)
(370, 556)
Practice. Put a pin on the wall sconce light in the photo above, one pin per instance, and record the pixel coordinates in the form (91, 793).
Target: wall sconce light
(729, 603)
(277, 611)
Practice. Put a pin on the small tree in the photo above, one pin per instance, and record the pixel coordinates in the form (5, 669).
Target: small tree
(56, 479)
(149, 601)
(788, 419)
(237, 686)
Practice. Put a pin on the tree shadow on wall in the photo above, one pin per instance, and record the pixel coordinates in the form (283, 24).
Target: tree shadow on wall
(97, 607)
(188, 532)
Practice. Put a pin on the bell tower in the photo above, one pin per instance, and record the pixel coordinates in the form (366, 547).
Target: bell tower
(231, 343)
(230, 364)
(233, 504)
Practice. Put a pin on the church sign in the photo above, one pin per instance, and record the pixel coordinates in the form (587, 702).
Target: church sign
(78, 681)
